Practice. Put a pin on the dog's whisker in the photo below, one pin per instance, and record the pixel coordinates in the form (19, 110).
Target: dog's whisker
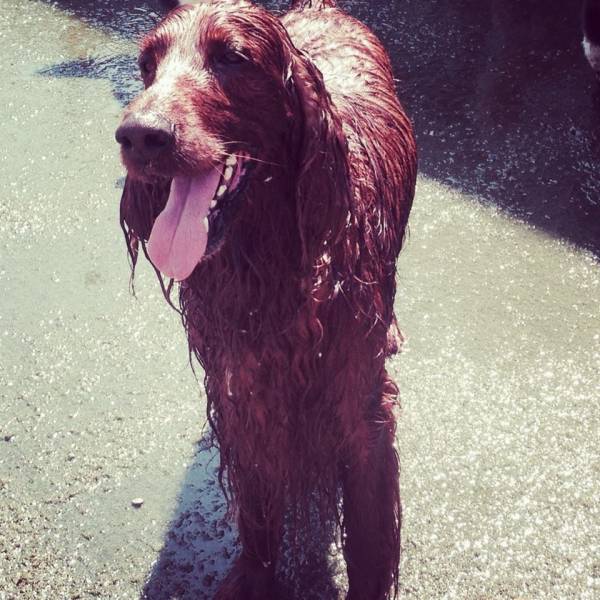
(257, 160)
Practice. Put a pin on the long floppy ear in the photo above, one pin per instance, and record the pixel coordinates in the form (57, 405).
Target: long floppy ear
(141, 203)
(324, 202)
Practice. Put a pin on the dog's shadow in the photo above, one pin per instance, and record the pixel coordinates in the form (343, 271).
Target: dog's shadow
(201, 543)
(119, 70)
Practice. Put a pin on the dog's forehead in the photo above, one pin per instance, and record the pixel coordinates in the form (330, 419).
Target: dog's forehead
(196, 24)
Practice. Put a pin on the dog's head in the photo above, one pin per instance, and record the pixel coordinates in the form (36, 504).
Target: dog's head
(227, 101)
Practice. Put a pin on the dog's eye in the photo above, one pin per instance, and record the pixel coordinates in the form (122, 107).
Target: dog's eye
(231, 57)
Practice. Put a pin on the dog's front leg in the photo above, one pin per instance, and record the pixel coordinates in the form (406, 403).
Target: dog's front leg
(260, 519)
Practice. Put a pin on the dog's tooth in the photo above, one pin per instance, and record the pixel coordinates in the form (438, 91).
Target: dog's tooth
(231, 161)
(213, 203)
(227, 173)
(221, 191)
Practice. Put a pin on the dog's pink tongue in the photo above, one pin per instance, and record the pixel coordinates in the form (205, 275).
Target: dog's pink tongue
(179, 235)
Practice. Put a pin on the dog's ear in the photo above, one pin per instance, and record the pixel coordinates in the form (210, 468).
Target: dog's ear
(310, 101)
(324, 204)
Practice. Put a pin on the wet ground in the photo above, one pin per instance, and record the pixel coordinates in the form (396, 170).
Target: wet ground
(499, 297)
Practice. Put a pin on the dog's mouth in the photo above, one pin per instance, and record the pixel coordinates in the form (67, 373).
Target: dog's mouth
(195, 217)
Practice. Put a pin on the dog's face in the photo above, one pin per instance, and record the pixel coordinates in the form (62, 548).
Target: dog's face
(214, 111)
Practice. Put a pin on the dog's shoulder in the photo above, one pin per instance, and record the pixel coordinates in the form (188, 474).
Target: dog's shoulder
(347, 53)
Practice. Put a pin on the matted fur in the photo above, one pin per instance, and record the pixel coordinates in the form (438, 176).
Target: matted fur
(292, 317)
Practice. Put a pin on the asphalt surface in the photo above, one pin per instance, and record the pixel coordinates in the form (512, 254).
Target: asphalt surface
(499, 296)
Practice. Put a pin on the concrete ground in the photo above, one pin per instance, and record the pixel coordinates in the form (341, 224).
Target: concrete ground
(499, 296)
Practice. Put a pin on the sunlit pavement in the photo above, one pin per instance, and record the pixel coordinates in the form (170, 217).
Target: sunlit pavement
(499, 297)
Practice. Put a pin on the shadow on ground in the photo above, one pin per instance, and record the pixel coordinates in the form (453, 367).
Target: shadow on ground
(504, 105)
(200, 545)
(119, 70)
(127, 18)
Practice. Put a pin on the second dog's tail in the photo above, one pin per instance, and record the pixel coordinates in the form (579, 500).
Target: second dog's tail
(301, 4)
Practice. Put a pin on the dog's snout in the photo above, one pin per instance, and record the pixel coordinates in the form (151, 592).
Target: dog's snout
(144, 137)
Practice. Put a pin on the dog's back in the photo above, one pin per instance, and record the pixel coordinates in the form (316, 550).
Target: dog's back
(358, 76)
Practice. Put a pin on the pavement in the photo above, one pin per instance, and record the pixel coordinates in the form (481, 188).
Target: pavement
(499, 297)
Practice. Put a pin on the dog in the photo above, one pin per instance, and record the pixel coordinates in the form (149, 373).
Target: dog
(270, 172)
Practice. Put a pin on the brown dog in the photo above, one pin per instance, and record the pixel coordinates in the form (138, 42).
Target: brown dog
(271, 170)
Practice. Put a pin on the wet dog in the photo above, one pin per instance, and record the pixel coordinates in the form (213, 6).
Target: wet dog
(271, 171)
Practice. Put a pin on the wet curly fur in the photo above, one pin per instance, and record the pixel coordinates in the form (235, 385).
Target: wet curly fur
(292, 317)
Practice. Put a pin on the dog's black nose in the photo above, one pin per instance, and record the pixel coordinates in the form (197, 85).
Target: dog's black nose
(144, 137)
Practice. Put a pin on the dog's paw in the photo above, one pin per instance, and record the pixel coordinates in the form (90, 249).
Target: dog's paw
(248, 582)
